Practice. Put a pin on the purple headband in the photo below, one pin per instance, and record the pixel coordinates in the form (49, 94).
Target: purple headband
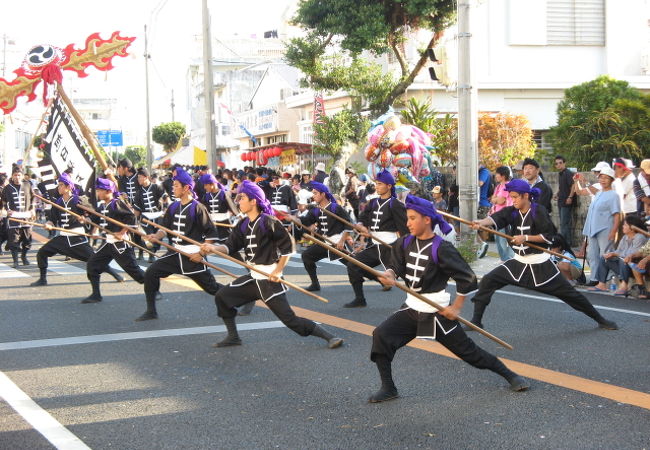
(387, 178)
(522, 187)
(106, 184)
(426, 208)
(66, 179)
(253, 191)
(208, 178)
(320, 187)
(184, 178)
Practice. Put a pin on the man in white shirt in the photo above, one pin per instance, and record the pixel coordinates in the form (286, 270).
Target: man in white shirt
(624, 184)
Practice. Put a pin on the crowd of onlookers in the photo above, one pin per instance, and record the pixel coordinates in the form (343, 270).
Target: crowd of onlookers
(614, 234)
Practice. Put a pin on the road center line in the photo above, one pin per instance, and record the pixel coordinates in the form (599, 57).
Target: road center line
(39, 343)
(58, 435)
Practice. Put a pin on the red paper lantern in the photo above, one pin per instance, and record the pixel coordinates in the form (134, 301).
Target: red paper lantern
(278, 151)
(243, 156)
(268, 153)
(250, 156)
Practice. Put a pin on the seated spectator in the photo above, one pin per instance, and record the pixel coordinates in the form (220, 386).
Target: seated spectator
(438, 201)
(617, 261)
(569, 267)
(642, 186)
(601, 223)
(640, 264)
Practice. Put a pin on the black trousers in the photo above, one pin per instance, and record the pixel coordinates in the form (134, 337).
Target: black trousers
(230, 297)
(401, 328)
(558, 287)
(19, 239)
(59, 245)
(99, 262)
(313, 254)
(370, 257)
(170, 265)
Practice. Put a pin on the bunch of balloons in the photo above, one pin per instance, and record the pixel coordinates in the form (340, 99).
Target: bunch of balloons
(403, 150)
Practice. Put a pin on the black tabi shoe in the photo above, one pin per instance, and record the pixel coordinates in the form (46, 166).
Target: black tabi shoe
(383, 394)
(608, 325)
(91, 299)
(313, 287)
(229, 341)
(356, 303)
(518, 384)
(39, 282)
(148, 315)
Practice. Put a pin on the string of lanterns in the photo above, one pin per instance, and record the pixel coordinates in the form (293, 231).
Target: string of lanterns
(262, 156)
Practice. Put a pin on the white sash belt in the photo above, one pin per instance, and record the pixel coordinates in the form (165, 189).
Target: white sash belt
(283, 208)
(21, 215)
(535, 258)
(219, 217)
(111, 239)
(442, 298)
(187, 248)
(268, 268)
(77, 229)
(387, 236)
(152, 215)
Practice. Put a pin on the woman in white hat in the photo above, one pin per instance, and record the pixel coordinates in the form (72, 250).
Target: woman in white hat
(320, 172)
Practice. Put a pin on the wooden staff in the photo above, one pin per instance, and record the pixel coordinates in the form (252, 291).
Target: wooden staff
(503, 235)
(83, 219)
(412, 292)
(227, 225)
(305, 227)
(350, 224)
(157, 241)
(639, 230)
(51, 227)
(241, 263)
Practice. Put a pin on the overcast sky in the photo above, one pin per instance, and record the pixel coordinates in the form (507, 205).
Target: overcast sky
(172, 31)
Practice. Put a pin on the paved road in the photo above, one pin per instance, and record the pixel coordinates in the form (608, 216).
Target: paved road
(88, 375)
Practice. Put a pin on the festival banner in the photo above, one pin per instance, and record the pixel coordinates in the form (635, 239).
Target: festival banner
(319, 109)
(67, 146)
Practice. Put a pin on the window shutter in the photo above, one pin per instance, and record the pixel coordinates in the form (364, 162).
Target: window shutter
(575, 22)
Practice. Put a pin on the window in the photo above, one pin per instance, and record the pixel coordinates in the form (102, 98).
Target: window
(575, 22)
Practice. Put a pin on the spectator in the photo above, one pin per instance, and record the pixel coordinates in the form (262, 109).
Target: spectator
(484, 182)
(306, 179)
(518, 169)
(500, 199)
(582, 187)
(624, 185)
(640, 270)
(569, 267)
(566, 198)
(320, 172)
(532, 175)
(618, 260)
(439, 202)
(351, 190)
(642, 186)
(601, 222)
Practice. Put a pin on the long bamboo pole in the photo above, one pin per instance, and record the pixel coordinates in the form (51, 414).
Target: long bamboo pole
(241, 263)
(157, 241)
(639, 230)
(503, 235)
(36, 224)
(410, 291)
(350, 224)
(83, 219)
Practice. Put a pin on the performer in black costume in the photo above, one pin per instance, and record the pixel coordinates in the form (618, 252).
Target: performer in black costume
(426, 262)
(327, 226)
(214, 199)
(533, 269)
(268, 246)
(384, 217)
(281, 196)
(127, 178)
(147, 202)
(18, 200)
(114, 248)
(190, 218)
(68, 244)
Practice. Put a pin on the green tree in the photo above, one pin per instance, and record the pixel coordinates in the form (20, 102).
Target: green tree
(338, 31)
(168, 134)
(339, 130)
(600, 119)
(137, 154)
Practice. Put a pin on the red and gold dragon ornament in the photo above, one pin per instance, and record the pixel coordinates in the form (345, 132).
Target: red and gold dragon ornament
(46, 62)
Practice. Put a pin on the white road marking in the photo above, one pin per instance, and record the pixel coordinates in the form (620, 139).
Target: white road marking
(63, 268)
(58, 435)
(10, 272)
(75, 340)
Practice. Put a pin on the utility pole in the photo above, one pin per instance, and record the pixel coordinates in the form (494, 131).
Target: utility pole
(146, 74)
(208, 90)
(172, 105)
(467, 167)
